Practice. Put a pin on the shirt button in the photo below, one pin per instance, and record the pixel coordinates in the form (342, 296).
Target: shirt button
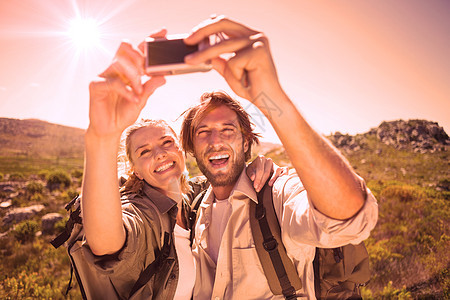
(217, 298)
(172, 276)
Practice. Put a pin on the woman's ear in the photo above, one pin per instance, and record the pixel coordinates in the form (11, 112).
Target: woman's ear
(137, 175)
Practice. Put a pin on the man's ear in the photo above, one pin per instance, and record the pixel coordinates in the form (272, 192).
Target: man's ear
(245, 146)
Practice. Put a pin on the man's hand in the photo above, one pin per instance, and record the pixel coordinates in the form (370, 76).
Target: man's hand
(117, 100)
(250, 71)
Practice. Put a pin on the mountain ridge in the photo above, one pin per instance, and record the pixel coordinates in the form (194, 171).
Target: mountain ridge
(34, 137)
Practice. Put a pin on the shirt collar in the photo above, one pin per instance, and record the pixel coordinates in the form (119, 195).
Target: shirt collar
(242, 188)
(161, 201)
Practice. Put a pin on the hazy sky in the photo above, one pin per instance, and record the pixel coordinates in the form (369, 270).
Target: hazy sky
(348, 65)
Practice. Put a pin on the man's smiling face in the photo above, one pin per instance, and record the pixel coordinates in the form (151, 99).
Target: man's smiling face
(219, 147)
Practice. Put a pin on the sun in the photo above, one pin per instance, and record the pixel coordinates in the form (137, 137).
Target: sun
(84, 33)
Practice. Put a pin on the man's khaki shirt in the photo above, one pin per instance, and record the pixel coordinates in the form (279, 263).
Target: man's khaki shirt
(238, 273)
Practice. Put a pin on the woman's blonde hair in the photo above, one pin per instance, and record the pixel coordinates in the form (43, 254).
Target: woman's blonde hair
(133, 184)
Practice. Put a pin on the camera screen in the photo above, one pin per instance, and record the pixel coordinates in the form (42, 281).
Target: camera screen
(168, 52)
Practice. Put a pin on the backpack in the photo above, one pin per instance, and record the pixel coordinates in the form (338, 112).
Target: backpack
(72, 238)
(338, 272)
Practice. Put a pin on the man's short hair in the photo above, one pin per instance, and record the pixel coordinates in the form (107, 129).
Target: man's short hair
(209, 102)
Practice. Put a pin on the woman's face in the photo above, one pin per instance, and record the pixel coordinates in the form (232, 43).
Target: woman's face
(157, 156)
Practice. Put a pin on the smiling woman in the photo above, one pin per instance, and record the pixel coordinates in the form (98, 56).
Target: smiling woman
(84, 33)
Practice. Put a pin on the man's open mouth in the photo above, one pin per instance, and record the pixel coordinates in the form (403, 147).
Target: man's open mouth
(219, 159)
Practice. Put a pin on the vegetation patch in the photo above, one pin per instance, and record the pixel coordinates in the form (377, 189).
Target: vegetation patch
(408, 248)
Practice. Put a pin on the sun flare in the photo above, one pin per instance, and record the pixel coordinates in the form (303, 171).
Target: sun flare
(84, 33)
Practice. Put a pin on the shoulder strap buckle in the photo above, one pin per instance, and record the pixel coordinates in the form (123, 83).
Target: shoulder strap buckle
(270, 245)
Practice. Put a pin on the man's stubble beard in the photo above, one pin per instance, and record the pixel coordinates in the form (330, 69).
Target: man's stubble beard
(228, 178)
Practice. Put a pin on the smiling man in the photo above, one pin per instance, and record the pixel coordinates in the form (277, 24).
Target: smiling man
(322, 203)
(221, 150)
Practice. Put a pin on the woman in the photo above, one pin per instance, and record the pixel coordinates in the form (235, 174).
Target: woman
(129, 229)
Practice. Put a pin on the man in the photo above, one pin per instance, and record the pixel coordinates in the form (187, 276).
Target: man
(323, 203)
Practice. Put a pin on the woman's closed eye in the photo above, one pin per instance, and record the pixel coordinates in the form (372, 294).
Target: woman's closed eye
(145, 151)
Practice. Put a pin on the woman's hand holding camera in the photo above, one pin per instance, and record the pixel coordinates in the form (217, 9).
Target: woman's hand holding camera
(117, 99)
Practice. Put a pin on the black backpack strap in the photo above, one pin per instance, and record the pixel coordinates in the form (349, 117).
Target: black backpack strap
(151, 269)
(73, 269)
(198, 187)
(192, 214)
(74, 218)
(268, 244)
(69, 285)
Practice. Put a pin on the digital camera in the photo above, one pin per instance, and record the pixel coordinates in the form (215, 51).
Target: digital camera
(165, 56)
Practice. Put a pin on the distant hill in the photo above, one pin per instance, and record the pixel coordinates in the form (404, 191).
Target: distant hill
(38, 138)
(413, 151)
(393, 145)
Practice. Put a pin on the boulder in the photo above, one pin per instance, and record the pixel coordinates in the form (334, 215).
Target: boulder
(6, 204)
(8, 187)
(48, 222)
(417, 135)
(19, 214)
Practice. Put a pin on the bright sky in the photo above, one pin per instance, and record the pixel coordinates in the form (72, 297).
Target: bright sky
(348, 65)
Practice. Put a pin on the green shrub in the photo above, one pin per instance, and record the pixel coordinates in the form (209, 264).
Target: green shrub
(37, 198)
(69, 194)
(366, 293)
(43, 174)
(28, 285)
(26, 231)
(444, 184)
(390, 292)
(77, 173)
(17, 176)
(20, 201)
(35, 271)
(402, 193)
(61, 225)
(34, 187)
(58, 179)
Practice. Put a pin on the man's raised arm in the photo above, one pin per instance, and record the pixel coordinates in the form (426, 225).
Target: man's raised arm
(332, 185)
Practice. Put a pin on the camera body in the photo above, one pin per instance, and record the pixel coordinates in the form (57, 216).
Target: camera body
(165, 56)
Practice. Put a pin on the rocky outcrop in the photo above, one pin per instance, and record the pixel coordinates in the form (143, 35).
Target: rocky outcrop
(48, 222)
(416, 135)
(348, 143)
(19, 214)
(420, 135)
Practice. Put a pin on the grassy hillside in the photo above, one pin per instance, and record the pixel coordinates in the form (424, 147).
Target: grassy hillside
(29, 146)
(408, 248)
(40, 139)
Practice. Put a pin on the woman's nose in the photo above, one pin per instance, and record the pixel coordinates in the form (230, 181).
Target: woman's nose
(160, 153)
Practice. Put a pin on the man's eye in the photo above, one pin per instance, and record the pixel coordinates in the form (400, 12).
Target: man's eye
(202, 132)
(167, 143)
(228, 131)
